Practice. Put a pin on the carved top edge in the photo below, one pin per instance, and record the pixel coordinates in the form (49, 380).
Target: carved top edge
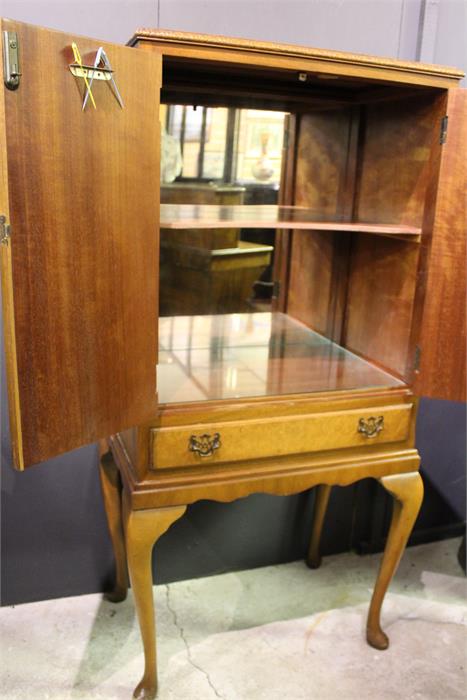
(279, 49)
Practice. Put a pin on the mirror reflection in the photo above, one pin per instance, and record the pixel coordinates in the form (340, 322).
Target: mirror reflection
(220, 156)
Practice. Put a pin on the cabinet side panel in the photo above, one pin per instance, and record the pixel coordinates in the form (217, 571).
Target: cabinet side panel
(382, 281)
(398, 162)
(395, 165)
(442, 343)
(83, 195)
(325, 170)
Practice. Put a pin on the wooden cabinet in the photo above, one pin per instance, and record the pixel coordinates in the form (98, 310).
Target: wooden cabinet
(318, 389)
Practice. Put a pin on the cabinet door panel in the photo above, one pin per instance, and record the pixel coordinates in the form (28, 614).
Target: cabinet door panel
(443, 330)
(81, 192)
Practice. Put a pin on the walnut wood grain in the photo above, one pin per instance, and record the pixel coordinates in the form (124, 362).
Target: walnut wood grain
(379, 309)
(82, 189)
(395, 166)
(321, 165)
(442, 343)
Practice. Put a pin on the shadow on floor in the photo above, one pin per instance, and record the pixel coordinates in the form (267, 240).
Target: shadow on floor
(108, 645)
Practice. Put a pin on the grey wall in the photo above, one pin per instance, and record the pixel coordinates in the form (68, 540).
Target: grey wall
(443, 37)
(348, 26)
(54, 537)
(110, 20)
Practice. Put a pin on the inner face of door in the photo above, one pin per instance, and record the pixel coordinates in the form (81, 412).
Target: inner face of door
(252, 308)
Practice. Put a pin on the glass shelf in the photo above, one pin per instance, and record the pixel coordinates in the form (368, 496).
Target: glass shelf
(183, 216)
(234, 356)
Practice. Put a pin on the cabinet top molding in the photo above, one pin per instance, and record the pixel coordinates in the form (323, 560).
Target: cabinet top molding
(326, 61)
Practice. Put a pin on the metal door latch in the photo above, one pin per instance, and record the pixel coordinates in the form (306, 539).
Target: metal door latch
(11, 68)
(5, 230)
(443, 131)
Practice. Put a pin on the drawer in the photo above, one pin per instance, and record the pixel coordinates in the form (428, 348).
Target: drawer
(237, 440)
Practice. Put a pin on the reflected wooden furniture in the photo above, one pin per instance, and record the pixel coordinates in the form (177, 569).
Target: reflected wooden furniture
(209, 281)
(206, 270)
(368, 274)
(202, 193)
(196, 278)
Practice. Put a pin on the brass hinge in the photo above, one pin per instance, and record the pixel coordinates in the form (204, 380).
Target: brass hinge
(11, 68)
(5, 230)
(443, 133)
(417, 358)
(276, 289)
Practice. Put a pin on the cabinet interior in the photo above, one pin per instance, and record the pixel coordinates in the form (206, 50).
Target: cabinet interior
(349, 232)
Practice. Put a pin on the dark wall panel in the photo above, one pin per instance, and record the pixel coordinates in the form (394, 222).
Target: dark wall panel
(441, 441)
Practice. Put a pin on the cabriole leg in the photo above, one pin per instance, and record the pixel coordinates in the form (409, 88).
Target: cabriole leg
(112, 496)
(321, 503)
(142, 529)
(407, 490)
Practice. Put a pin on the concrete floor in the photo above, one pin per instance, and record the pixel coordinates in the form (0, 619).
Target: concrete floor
(280, 632)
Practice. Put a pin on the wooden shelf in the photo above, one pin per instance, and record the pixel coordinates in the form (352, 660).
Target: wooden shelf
(185, 216)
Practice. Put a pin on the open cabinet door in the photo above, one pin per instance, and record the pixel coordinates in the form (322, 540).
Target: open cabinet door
(80, 192)
(442, 347)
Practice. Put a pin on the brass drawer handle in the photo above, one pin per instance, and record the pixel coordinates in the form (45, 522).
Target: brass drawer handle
(204, 445)
(371, 427)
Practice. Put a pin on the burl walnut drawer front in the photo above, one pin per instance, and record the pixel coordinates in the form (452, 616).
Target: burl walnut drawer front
(234, 441)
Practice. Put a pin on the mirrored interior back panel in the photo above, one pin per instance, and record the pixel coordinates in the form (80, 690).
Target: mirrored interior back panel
(220, 161)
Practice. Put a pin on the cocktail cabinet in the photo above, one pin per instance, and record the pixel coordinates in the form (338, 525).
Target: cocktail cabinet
(310, 385)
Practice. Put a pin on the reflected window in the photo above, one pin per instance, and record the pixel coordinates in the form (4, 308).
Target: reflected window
(226, 144)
